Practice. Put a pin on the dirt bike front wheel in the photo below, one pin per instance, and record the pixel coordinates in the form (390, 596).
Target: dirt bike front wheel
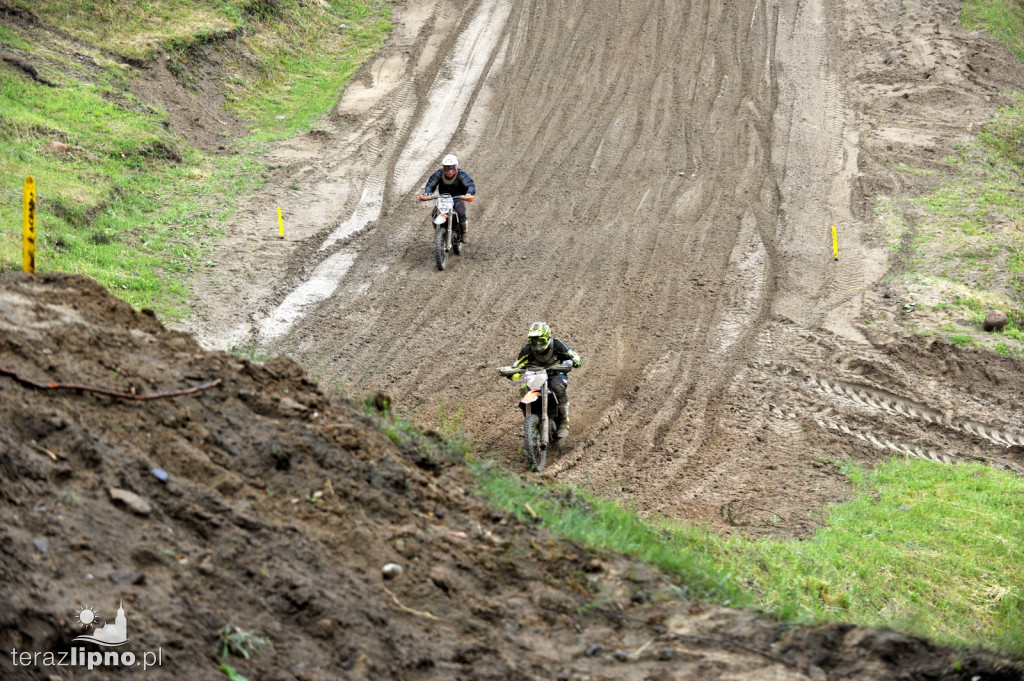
(531, 443)
(440, 248)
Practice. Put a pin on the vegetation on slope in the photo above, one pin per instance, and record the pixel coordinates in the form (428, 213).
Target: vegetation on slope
(121, 198)
(924, 547)
(964, 254)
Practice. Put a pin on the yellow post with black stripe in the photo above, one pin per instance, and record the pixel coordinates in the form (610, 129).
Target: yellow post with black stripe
(28, 244)
(835, 244)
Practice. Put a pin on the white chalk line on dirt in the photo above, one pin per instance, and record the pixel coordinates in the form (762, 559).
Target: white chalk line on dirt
(447, 101)
(449, 94)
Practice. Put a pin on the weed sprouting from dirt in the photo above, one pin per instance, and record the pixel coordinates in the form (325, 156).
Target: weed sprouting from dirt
(238, 642)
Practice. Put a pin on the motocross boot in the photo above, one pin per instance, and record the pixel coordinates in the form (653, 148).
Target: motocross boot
(563, 421)
(465, 223)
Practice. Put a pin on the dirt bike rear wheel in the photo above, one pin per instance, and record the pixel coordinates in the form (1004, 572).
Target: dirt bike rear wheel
(440, 252)
(531, 443)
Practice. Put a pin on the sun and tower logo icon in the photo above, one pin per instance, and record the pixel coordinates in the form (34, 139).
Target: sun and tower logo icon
(109, 634)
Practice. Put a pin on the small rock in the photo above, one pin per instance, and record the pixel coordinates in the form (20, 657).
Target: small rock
(206, 567)
(323, 628)
(564, 675)
(133, 501)
(391, 570)
(593, 650)
(995, 320)
(621, 655)
(160, 474)
(665, 654)
(42, 544)
(79, 545)
(443, 578)
(138, 578)
(290, 406)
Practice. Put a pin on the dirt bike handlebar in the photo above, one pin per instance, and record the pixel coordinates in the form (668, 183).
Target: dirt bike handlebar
(468, 198)
(556, 369)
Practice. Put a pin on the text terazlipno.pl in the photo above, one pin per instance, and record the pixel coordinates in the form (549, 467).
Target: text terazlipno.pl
(80, 657)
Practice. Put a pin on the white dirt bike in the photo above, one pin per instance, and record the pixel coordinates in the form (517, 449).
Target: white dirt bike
(448, 232)
(540, 409)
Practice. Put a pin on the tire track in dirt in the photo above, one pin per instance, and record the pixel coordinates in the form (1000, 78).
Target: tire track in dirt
(634, 184)
(658, 182)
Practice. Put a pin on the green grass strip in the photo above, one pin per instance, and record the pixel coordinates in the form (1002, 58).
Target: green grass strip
(927, 548)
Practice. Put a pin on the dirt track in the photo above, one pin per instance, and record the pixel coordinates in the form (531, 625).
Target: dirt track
(658, 181)
(214, 491)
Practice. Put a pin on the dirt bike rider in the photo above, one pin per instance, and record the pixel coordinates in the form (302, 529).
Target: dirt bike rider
(543, 350)
(450, 180)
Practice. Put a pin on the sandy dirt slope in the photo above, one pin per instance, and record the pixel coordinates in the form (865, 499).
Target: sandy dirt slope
(658, 181)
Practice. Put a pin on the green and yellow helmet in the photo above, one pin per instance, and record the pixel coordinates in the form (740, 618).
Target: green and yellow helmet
(539, 336)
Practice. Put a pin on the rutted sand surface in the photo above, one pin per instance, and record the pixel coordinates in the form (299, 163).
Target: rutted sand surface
(658, 181)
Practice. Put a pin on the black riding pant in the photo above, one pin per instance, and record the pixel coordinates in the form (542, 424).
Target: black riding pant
(559, 383)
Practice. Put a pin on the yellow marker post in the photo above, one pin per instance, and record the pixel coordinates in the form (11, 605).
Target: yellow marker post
(28, 232)
(835, 244)
(280, 222)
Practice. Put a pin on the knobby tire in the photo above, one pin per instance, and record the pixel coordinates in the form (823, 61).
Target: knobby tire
(440, 254)
(531, 442)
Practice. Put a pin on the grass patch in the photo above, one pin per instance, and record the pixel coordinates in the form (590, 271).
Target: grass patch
(1004, 19)
(967, 253)
(683, 551)
(296, 85)
(126, 202)
(967, 245)
(923, 547)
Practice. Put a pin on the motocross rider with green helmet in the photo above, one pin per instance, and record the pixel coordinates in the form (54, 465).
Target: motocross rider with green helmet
(543, 350)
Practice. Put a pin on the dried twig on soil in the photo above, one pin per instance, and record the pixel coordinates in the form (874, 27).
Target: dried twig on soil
(45, 451)
(104, 391)
(640, 651)
(404, 608)
(733, 517)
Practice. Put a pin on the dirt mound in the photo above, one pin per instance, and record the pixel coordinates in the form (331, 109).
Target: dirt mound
(211, 491)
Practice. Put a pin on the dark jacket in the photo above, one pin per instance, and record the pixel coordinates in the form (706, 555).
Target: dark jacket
(461, 184)
(556, 352)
